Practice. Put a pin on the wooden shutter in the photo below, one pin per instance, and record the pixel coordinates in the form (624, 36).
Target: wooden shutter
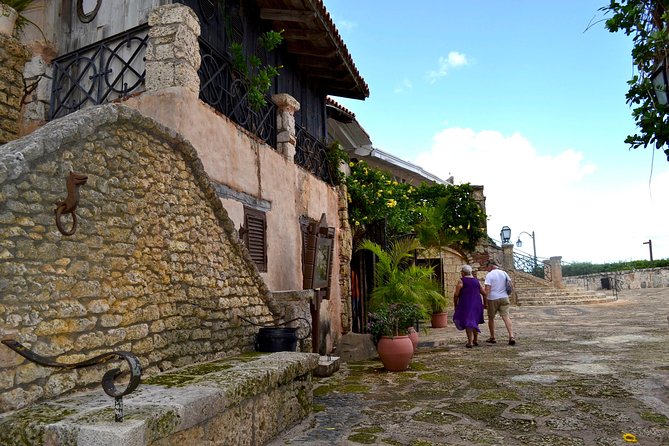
(255, 237)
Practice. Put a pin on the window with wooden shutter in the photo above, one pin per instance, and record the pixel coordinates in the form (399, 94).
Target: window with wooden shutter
(255, 237)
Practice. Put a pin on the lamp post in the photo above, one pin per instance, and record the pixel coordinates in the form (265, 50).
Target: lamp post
(505, 234)
(650, 247)
(519, 243)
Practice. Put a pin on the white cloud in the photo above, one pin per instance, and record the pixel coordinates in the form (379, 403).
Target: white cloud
(445, 64)
(556, 196)
(404, 86)
(346, 25)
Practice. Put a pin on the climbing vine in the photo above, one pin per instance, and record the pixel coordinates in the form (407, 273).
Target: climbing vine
(646, 21)
(257, 77)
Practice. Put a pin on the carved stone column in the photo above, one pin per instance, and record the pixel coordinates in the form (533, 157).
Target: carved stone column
(286, 138)
(173, 51)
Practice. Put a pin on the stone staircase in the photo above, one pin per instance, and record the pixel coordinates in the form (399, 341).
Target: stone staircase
(531, 290)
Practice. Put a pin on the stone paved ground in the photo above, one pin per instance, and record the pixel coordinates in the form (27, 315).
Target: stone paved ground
(579, 375)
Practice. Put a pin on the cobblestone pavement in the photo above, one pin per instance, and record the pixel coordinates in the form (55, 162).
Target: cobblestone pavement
(579, 375)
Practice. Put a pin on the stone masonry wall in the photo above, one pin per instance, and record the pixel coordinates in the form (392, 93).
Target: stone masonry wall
(13, 57)
(154, 268)
(628, 280)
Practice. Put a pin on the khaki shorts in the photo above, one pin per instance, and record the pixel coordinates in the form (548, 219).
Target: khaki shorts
(500, 306)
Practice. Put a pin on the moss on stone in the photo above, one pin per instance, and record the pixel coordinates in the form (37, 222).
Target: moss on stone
(170, 380)
(437, 377)
(26, 427)
(418, 366)
(533, 409)
(481, 411)
(654, 417)
(370, 429)
(323, 390)
(354, 388)
(318, 408)
(362, 438)
(395, 406)
(499, 394)
(435, 416)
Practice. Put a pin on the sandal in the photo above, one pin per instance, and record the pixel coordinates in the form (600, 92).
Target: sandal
(468, 345)
(512, 341)
(491, 341)
(476, 344)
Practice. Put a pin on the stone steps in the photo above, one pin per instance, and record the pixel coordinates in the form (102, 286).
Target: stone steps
(562, 297)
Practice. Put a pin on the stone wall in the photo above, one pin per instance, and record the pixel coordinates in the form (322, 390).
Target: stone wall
(13, 57)
(154, 267)
(628, 280)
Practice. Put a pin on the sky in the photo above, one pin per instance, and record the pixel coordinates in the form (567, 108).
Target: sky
(523, 97)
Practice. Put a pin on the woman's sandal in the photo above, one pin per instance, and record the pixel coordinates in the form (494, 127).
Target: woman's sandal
(491, 341)
(512, 341)
(475, 344)
(468, 345)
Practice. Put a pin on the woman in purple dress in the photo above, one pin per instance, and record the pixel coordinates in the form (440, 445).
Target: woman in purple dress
(468, 299)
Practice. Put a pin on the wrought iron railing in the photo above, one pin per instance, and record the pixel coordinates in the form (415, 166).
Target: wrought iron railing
(312, 154)
(529, 264)
(106, 70)
(224, 89)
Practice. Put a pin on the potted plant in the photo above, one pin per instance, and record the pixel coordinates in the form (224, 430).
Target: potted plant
(389, 326)
(12, 18)
(402, 291)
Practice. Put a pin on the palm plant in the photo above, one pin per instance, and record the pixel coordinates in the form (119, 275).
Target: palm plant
(397, 279)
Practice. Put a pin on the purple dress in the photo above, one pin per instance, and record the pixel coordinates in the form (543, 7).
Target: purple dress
(469, 310)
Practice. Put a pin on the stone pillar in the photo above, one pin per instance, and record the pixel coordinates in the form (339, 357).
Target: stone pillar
(507, 257)
(345, 253)
(286, 138)
(555, 264)
(13, 57)
(173, 51)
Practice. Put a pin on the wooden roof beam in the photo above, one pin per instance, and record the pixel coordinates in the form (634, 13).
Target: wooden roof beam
(286, 15)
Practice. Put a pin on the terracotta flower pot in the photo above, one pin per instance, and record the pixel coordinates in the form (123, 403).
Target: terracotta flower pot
(413, 335)
(8, 18)
(395, 352)
(439, 320)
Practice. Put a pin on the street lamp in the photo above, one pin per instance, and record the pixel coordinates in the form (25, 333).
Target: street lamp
(650, 247)
(519, 243)
(505, 234)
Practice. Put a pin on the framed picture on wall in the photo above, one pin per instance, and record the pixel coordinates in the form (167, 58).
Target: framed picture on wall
(322, 262)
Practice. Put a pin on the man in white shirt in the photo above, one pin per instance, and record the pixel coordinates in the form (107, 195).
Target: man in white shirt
(497, 300)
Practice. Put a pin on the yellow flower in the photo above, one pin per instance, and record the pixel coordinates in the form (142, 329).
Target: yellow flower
(351, 164)
(395, 183)
(630, 438)
(391, 203)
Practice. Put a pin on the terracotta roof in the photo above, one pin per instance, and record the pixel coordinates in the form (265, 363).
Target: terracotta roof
(340, 108)
(312, 37)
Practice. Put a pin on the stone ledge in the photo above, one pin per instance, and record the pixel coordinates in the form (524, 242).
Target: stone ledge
(179, 405)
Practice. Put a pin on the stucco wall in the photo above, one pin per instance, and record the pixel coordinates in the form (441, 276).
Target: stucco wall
(154, 267)
(234, 158)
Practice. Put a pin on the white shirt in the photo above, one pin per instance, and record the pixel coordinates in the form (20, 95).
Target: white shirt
(496, 278)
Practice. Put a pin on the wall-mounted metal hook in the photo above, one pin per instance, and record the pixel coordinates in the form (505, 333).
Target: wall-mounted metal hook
(69, 205)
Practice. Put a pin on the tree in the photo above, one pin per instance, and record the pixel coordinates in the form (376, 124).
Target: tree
(645, 21)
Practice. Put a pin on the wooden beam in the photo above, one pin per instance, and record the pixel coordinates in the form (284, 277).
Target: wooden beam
(286, 15)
